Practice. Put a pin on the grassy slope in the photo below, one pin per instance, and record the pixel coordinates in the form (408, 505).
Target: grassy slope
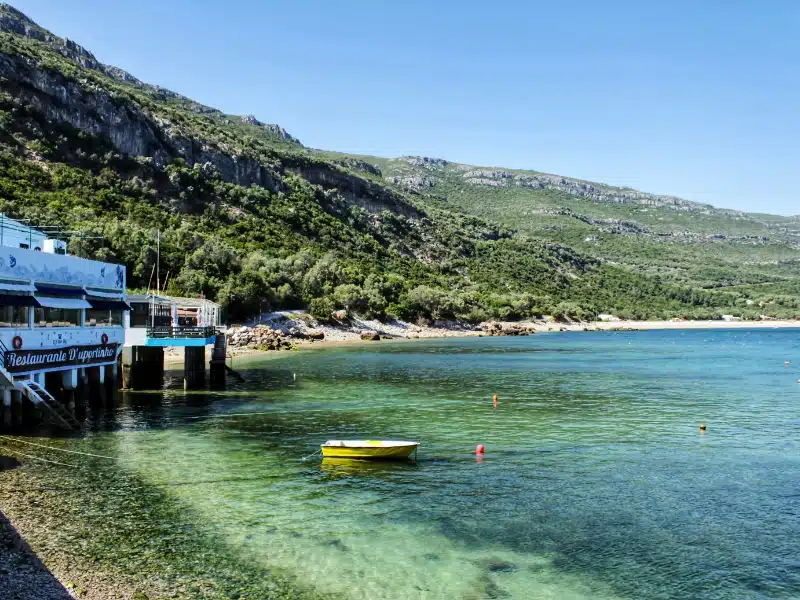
(665, 249)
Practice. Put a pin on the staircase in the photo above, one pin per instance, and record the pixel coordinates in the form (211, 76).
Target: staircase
(220, 349)
(219, 356)
(49, 405)
(40, 397)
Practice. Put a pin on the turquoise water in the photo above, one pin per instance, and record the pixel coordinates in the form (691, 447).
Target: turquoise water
(596, 482)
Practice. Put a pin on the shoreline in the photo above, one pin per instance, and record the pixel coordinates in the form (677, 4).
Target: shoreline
(336, 336)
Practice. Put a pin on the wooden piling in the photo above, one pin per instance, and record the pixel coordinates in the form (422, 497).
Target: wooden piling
(7, 408)
(194, 367)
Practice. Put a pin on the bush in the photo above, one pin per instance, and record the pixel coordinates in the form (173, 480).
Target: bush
(350, 297)
(321, 309)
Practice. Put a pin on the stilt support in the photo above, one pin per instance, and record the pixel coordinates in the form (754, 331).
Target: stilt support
(194, 367)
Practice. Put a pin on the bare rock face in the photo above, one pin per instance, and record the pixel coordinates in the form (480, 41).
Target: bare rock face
(497, 328)
(99, 111)
(14, 21)
(129, 129)
(261, 337)
(370, 336)
(361, 165)
(424, 161)
(414, 182)
(575, 187)
(357, 190)
(274, 130)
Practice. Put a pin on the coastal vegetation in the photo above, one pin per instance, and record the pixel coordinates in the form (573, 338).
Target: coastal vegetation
(248, 216)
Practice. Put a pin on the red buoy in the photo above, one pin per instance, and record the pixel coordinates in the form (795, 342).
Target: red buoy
(480, 449)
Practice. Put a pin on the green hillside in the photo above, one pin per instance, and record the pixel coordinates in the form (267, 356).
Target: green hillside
(250, 216)
(681, 241)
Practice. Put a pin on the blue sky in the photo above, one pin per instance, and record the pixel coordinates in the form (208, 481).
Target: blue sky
(695, 99)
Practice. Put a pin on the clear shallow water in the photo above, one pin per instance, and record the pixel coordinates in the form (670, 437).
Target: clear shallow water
(596, 481)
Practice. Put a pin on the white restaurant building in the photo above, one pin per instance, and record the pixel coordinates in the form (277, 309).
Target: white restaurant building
(58, 313)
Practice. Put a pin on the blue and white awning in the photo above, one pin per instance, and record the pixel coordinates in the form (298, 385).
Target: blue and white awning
(51, 296)
(111, 295)
(53, 302)
(16, 286)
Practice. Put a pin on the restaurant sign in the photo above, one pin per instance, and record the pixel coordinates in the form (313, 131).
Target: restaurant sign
(25, 361)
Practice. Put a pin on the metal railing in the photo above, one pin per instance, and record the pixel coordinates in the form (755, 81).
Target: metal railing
(181, 332)
(3, 352)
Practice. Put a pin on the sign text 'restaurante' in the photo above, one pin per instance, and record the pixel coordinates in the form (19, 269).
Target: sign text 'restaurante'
(21, 361)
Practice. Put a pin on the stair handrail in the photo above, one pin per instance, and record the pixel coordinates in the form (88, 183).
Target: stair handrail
(39, 395)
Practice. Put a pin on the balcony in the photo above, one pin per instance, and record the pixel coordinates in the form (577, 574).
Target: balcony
(180, 336)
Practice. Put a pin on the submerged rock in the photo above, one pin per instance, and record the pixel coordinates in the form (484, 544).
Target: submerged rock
(500, 566)
(338, 544)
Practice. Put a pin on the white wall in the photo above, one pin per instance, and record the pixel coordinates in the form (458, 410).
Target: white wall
(10, 235)
(17, 263)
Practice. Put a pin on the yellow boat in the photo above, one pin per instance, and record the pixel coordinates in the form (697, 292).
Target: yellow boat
(369, 449)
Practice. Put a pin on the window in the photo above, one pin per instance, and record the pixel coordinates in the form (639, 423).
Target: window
(150, 314)
(13, 316)
(57, 317)
(98, 318)
(25, 246)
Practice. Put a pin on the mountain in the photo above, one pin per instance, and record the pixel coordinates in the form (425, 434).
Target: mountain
(671, 237)
(250, 216)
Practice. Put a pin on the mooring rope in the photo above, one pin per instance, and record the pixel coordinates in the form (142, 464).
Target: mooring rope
(57, 449)
(53, 462)
(310, 455)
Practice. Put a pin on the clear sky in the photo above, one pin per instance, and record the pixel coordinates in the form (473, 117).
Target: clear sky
(698, 99)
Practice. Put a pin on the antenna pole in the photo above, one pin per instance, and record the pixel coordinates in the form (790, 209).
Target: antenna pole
(158, 260)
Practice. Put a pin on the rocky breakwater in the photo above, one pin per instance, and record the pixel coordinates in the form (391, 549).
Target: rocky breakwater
(259, 338)
(497, 328)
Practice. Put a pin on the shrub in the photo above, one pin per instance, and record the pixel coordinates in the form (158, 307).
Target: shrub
(321, 309)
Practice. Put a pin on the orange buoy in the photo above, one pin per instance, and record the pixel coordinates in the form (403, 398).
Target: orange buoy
(702, 426)
(494, 400)
(480, 449)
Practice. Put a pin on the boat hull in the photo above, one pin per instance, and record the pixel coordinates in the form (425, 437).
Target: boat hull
(372, 452)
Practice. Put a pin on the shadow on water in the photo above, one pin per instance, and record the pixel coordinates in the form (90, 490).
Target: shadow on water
(22, 573)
